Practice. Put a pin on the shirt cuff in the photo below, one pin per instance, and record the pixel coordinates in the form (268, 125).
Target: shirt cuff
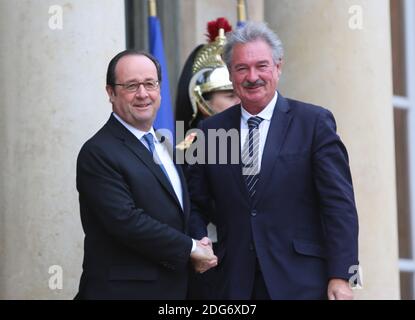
(193, 245)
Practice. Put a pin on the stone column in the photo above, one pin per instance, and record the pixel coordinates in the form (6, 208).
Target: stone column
(338, 55)
(52, 98)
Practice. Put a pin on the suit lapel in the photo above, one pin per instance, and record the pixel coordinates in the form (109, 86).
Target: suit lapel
(172, 153)
(186, 200)
(279, 125)
(142, 153)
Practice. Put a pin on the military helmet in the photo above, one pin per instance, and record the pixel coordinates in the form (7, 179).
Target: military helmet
(209, 71)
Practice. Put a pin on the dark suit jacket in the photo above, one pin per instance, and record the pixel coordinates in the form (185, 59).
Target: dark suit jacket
(135, 243)
(302, 223)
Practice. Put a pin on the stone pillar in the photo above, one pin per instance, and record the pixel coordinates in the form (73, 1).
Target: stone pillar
(52, 98)
(334, 61)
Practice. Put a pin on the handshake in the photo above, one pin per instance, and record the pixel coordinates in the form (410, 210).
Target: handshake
(202, 257)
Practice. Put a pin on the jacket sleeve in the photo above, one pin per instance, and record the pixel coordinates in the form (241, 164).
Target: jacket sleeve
(335, 191)
(200, 197)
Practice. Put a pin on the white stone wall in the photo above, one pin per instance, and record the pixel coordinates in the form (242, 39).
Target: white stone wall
(52, 98)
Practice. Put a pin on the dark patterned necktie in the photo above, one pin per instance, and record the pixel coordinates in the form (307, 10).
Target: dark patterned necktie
(250, 155)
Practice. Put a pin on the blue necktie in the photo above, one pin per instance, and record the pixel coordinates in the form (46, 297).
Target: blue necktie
(148, 137)
(250, 154)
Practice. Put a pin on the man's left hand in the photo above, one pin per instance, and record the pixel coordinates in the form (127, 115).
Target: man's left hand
(339, 289)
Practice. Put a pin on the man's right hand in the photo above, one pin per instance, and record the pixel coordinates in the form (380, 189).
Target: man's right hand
(203, 258)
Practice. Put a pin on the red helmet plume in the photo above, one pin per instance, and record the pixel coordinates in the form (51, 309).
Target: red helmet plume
(214, 26)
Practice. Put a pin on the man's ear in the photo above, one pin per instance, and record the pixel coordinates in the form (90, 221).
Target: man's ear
(279, 66)
(110, 92)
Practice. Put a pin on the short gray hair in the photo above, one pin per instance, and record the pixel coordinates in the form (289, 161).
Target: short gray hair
(250, 32)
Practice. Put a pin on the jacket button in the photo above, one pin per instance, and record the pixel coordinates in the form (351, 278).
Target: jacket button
(254, 213)
(251, 247)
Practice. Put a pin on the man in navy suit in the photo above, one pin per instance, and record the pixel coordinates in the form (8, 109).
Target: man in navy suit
(285, 211)
(133, 199)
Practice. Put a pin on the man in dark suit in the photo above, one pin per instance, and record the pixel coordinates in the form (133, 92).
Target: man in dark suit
(285, 211)
(133, 199)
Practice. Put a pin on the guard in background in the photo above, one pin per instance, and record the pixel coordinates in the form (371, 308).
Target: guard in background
(204, 89)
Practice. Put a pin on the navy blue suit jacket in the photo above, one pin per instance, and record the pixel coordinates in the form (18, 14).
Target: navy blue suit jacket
(135, 244)
(302, 224)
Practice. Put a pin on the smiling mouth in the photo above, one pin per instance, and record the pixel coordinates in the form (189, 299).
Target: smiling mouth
(253, 87)
(142, 105)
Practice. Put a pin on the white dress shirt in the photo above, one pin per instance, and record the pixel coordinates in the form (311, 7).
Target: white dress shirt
(265, 114)
(162, 153)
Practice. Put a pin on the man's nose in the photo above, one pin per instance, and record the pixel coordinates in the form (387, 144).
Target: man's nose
(141, 91)
(252, 75)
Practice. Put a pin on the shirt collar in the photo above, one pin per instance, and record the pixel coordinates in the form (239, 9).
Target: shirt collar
(136, 132)
(265, 114)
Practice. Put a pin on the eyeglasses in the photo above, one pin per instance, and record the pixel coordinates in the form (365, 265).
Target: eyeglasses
(149, 85)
